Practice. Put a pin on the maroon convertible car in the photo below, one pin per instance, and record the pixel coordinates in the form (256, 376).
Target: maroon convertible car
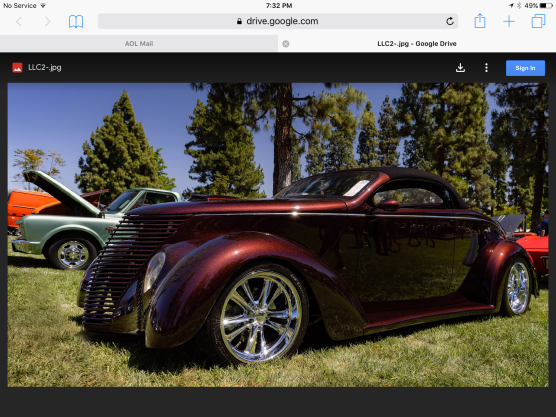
(365, 250)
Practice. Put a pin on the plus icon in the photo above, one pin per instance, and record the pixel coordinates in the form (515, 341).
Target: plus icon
(508, 21)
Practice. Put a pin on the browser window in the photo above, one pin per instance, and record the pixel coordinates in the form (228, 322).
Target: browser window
(211, 100)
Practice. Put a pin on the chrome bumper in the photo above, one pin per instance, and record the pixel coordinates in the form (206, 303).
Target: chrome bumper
(21, 246)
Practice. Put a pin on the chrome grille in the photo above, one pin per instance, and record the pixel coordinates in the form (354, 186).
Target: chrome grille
(123, 260)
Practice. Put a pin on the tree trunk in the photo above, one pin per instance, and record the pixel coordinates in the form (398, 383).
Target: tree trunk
(541, 156)
(282, 138)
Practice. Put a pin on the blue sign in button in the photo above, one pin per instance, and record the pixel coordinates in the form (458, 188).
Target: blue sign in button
(525, 68)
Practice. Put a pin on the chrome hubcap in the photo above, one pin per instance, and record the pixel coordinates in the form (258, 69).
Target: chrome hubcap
(73, 254)
(518, 287)
(261, 317)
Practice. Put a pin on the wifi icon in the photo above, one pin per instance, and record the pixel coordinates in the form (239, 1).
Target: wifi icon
(43, 4)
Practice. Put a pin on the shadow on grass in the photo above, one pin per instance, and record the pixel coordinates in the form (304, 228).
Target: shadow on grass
(543, 283)
(190, 356)
(317, 339)
(27, 262)
(157, 361)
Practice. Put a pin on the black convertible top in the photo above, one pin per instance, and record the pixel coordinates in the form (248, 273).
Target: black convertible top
(399, 173)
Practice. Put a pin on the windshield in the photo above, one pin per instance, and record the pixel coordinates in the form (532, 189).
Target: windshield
(123, 200)
(336, 184)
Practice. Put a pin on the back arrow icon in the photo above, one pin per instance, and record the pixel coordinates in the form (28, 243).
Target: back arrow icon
(48, 20)
(17, 21)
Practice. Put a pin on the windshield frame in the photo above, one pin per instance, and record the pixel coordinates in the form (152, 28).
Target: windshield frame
(122, 208)
(372, 174)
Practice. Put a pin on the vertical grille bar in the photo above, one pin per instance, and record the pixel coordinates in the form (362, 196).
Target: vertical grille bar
(124, 257)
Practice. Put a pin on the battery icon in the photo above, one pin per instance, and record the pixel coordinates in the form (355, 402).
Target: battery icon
(545, 5)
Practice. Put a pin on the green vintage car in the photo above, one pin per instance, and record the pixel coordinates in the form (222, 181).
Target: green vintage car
(73, 241)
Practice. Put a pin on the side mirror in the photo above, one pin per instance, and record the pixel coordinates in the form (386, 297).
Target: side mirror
(388, 205)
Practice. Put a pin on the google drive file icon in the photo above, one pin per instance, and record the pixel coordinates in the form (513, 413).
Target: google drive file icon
(17, 67)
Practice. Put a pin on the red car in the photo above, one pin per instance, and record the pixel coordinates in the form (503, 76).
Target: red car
(538, 249)
(365, 250)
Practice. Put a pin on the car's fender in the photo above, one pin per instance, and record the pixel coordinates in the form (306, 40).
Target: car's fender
(41, 229)
(183, 300)
(484, 282)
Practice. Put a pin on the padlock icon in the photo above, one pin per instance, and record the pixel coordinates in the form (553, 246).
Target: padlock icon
(239, 21)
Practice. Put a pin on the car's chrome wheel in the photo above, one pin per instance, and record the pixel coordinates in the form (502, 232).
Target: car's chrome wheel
(73, 254)
(261, 317)
(518, 288)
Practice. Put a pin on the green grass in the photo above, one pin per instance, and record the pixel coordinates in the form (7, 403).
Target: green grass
(47, 346)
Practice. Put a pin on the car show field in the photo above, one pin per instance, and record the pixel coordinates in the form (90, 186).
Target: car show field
(47, 346)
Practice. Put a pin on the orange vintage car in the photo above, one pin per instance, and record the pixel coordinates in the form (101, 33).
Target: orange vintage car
(24, 202)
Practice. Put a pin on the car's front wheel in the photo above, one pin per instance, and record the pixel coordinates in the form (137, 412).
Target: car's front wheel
(261, 315)
(517, 290)
(72, 253)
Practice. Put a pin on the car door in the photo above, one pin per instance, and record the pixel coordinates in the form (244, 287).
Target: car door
(407, 254)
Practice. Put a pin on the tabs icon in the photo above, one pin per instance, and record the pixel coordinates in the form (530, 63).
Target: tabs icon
(480, 21)
(538, 21)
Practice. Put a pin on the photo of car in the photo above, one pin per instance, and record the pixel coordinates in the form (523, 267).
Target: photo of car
(366, 250)
(71, 236)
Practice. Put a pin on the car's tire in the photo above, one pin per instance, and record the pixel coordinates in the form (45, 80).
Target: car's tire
(271, 329)
(71, 253)
(516, 294)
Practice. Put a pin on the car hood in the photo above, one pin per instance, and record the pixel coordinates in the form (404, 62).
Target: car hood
(256, 206)
(62, 193)
(534, 242)
(509, 222)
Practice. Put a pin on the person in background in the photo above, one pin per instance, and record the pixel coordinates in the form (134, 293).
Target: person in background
(544, 224)
(539, 225)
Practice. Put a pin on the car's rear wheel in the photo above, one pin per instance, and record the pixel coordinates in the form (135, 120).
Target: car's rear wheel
(517, 288)
(72, 253)
(261, 315)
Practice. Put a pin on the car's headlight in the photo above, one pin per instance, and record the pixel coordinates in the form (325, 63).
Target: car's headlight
(153, 269)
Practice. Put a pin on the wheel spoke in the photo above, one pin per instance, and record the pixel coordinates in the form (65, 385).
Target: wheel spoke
(235, 320)
(283, 314)
(234, 334)
(264, 293)
(278, 327)
(240, 301)
(247, 290)
(276, 294)
(252, 341)
(263, 342)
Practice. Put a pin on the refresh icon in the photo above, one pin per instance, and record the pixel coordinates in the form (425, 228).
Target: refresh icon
(450, 21)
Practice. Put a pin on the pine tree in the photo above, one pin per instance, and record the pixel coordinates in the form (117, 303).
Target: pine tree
(368, 146)
(166, 182)
(525, 136)
(265, 101)
(223, 151)
(445, 124)
(388, 139)
(331, 143)
(500, 165)
(118, 155)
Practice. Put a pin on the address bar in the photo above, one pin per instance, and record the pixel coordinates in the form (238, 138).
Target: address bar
(282, 21)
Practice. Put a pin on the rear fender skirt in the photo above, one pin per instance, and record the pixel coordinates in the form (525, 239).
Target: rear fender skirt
(183, 300)
(484, 282)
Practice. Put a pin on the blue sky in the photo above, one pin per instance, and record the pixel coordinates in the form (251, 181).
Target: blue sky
(60, 117)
